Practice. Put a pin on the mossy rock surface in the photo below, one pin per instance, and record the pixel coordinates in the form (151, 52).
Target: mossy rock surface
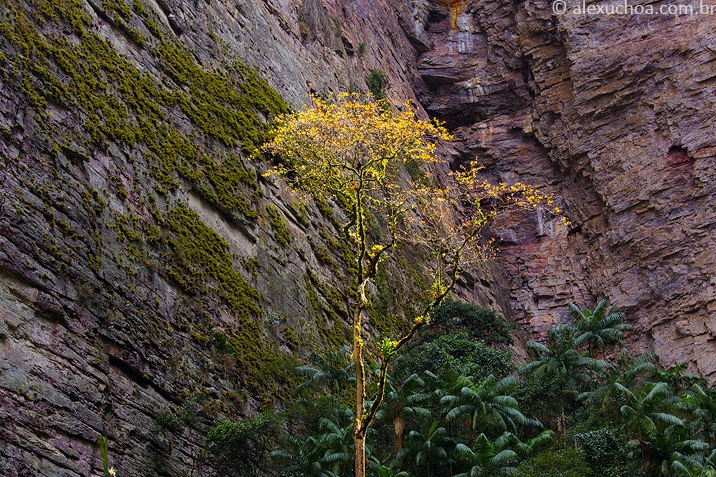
(113, 134)
(133, 209)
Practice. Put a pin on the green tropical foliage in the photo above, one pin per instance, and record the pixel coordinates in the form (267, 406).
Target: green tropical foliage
(429, 451)
(480, 324)
(560, 362)
(599, 327)
(694, 465)
(377, 81)
(605, 451)
(459, 354)
(454, 407)
(402, 401)
(700, 401)
(556, 462)
(532, 446)
(301, 457)
(245, 444)
(487, 405)
(486, 458)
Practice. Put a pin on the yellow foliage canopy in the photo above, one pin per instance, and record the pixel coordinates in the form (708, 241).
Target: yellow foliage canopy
(353, 149)
(350, 142)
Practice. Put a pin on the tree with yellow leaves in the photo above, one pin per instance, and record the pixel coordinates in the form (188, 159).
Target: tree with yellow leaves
(355, 149)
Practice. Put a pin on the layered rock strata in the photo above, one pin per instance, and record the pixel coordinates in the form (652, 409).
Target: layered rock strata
(614, 113)
(151, 277)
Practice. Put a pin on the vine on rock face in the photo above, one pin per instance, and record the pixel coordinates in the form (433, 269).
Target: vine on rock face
(354, 150)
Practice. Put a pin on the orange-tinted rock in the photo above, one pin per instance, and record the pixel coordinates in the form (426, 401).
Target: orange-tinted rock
(615, 115)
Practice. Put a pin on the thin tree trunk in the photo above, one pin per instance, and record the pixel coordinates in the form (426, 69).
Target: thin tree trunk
(643, 459)
(359, 432)
(398, 428)
(360, 455)
(561, 426)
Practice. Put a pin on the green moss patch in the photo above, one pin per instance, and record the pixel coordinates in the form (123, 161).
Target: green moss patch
(180, 126)
(78, 70)
(200, 254)
(278, 224)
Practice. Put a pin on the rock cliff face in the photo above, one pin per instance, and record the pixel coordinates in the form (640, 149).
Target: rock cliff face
(151, 277)
(612, 113)
(624, 105)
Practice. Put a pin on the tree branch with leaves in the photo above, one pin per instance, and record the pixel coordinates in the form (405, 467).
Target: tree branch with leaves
(354, 149)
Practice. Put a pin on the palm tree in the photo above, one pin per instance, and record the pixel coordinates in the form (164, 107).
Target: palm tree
(332, 370)
(700, 400)
(403, 401)
(675, 377)
(625, 375)
(486, 458)
(427, 451)
(329, 454)
(598, 327)
(488, 405)
(671, 444)
(525, 450)
(302, 457)
(646, 417)
(339, 450)
(439, 385)
(561, 362)
(694, 465)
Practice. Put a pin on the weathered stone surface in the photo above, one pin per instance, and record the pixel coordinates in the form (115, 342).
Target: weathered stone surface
(613, 114)
(104, 328)
(638, 126)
